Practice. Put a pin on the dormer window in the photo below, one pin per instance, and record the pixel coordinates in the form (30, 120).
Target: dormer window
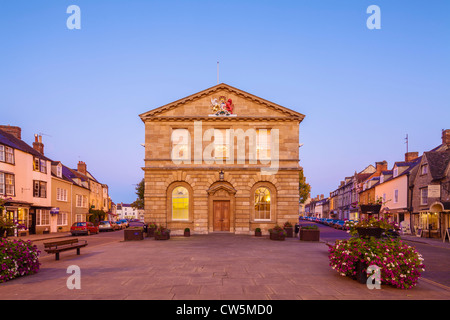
(424, 169)
(59, 171)
(395, 173)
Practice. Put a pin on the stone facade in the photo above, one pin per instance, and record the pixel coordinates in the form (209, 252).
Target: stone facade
(220, 192)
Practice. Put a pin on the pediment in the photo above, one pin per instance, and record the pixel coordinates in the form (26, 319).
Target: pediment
(222, 189)
(221, 102)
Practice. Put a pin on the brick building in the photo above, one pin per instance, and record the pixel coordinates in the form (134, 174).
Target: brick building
(221, 160)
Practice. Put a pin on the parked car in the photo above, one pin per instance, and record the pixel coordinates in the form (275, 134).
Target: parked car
(120, 225)
(106, 226)
(137, 223)
(124, 222)
(85, 228)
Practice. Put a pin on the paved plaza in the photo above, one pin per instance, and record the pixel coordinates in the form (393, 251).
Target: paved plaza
(203, 267)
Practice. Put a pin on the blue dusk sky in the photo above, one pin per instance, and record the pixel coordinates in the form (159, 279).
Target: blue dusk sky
(362, 90)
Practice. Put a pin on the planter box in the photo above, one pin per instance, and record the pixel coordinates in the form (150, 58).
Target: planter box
(258, 233)
(370, 208)
(361, 275)
(289, 232)
(277, 236)
(133, 234)
(309, 234)
(187, 233)
(164, 236)
(370, 232)
(150, 232)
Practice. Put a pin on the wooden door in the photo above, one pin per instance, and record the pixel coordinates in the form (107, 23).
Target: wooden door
(221, 215)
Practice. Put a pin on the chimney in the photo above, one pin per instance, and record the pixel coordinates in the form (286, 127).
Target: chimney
(38, 145)
(82, 167)
(12, 130)
(446, 137)
(381, 166)
(410, 156)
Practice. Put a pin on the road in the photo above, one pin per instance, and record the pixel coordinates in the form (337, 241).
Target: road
(436, 258)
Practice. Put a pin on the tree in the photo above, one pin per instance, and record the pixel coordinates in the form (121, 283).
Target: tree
(140, 188)
(303, 188)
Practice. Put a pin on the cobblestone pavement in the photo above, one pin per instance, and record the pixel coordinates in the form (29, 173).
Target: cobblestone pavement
(204, 267)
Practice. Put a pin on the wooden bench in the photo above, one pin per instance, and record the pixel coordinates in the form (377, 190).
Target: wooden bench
(63, 245)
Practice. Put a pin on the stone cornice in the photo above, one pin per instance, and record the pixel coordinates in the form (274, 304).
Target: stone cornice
(219, 118)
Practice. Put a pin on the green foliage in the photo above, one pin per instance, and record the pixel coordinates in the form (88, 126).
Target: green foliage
(140, 189)
(303, 188)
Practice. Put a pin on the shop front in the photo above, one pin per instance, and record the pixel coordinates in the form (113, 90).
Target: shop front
(433, 223)
(18, 212)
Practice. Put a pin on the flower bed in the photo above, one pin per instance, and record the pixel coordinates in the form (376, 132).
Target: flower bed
(17, 258)
(400, 264)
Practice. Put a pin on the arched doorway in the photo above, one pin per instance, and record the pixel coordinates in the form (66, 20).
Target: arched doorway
(221, 207)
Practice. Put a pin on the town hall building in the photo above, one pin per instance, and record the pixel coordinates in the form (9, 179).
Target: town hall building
(221, 160)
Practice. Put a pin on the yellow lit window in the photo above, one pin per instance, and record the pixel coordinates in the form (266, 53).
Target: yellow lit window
(262, 204)
(180, 204)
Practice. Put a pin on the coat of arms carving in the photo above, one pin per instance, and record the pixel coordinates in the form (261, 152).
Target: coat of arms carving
(222, 106)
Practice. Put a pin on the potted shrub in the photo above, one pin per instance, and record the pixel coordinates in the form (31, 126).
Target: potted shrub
(187, 232)
(309, 233)
(162, 233)
(258, 232)
(151, 229)
(277, 233)
(289, 229)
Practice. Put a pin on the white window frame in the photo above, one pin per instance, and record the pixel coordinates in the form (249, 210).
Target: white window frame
(423, 199)
(39, 189)
(42, 217)
(263, 143)
(424, 169)
(222, 144)
(396, 196)
(62, 219)
(265, 212)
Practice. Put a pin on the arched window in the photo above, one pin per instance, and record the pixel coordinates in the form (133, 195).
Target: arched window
(262, 204)
(180, 204)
